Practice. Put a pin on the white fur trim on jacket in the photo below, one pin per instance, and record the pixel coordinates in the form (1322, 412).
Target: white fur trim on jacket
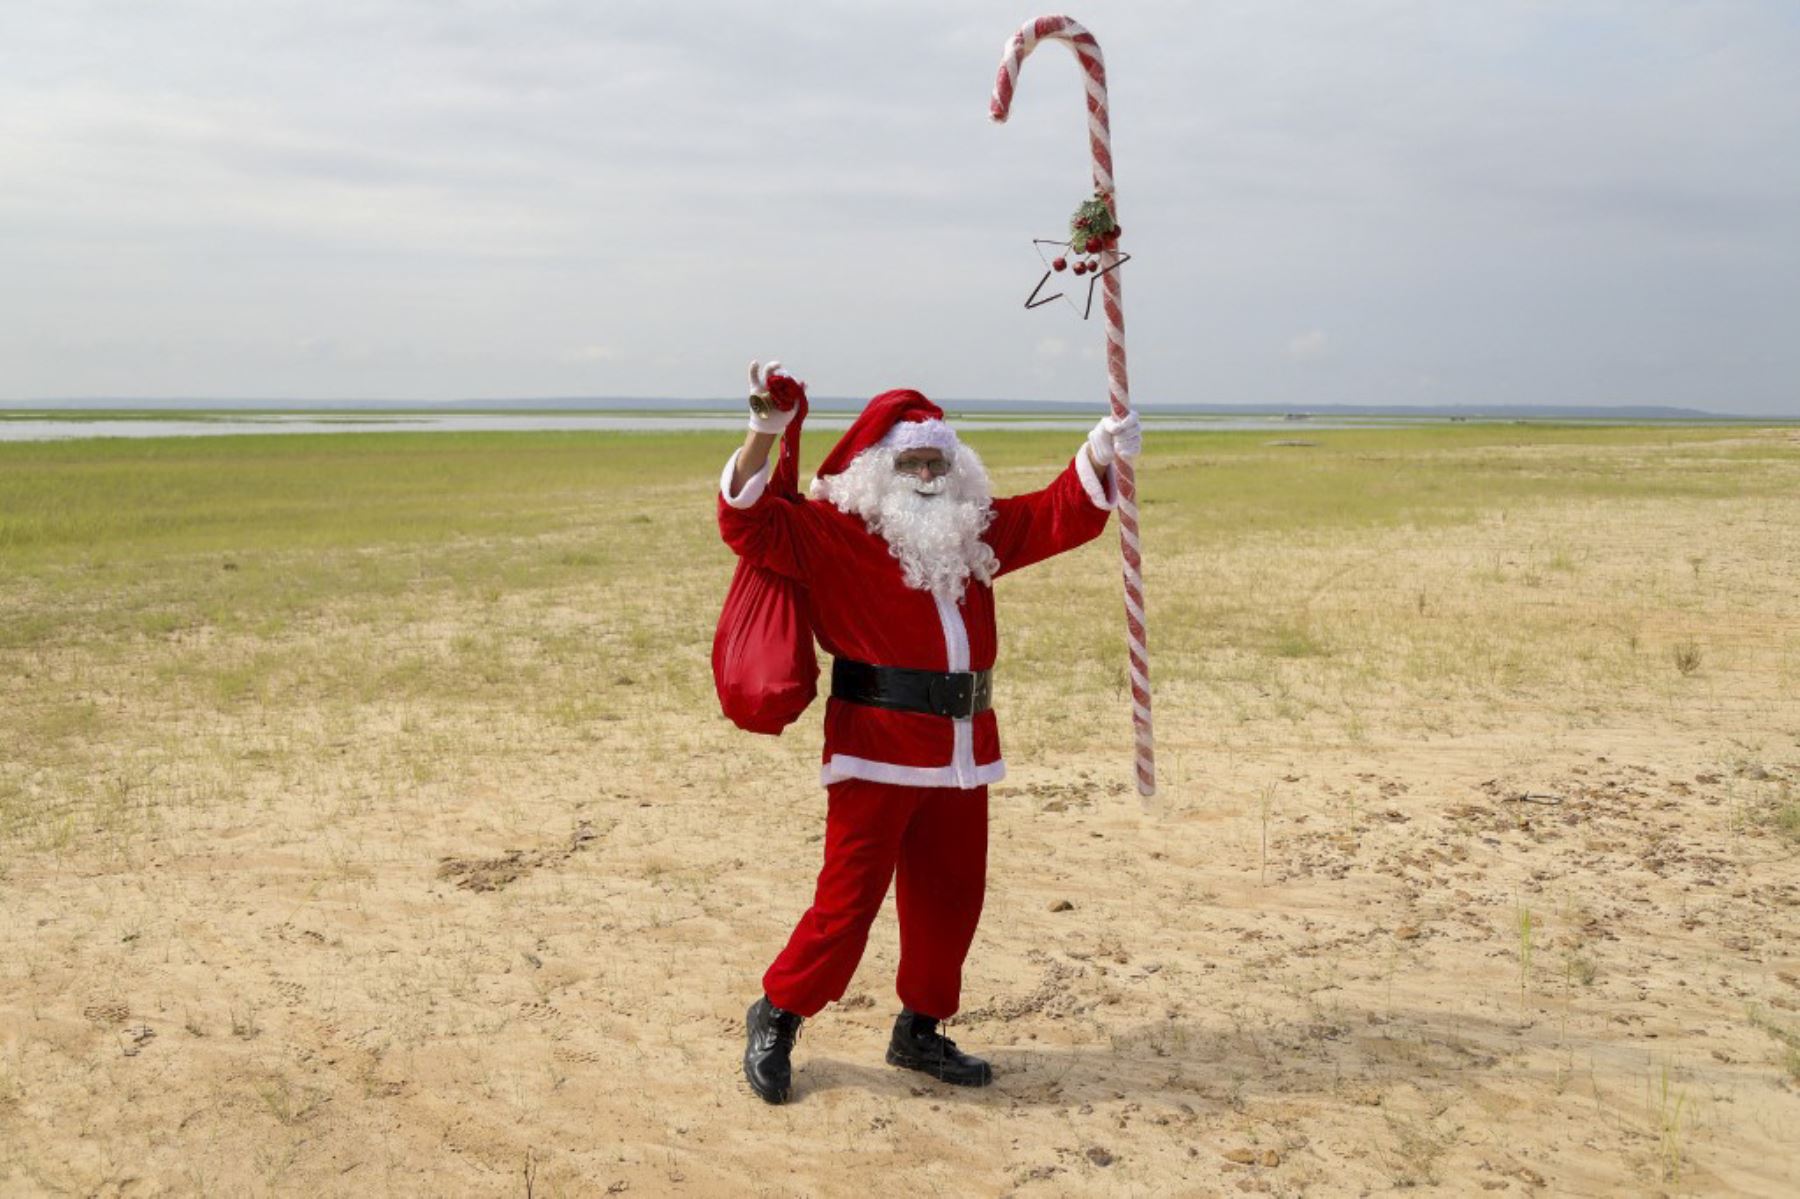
(1104, 497)
(753, 486)
(843, 766)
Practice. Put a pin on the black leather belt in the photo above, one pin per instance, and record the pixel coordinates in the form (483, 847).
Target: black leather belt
(954, 693)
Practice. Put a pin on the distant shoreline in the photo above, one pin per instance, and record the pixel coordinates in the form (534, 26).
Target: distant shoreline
(46, 425)
(205, 409)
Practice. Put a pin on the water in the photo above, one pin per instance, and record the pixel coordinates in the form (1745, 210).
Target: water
(36, 428)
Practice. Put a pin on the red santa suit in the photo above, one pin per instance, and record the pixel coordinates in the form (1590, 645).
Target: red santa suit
(907, 790)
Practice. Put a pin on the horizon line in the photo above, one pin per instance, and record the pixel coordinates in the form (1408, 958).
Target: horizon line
(856, 402)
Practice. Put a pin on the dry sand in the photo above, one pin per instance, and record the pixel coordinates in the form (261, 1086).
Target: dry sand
(458, 950)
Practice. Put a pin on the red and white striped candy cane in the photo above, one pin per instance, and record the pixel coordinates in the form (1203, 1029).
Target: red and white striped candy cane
(1093, 72)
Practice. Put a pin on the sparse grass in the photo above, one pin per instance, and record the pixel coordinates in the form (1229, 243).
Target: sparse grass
(1418, 1147)
(1786, 1035)
(1686, 655)
(1631, 631)
(244, 1024)
(1564, 559)
(1666, 1103)
(1781, 813)
(1295, 641)
(1265, 804)
(1525, 929)
(1758, 806)
(290, 1105)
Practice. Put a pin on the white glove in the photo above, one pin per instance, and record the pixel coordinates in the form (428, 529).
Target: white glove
(764, 416)
(1116, 437)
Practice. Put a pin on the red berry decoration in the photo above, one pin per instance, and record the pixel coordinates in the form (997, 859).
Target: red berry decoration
(1090, 223)
(1118, 233)
(1081, 268)
(1093, 265)
(1061, 264)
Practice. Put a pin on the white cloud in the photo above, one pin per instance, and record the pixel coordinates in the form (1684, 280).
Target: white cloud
(1309, 346)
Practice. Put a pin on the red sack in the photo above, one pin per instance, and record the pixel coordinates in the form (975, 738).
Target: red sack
(763, 661)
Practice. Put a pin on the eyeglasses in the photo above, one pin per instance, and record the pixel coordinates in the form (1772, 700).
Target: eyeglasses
(935, 467)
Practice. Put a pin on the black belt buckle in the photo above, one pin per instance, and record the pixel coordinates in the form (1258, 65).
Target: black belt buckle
(957, 694)
(953, 694)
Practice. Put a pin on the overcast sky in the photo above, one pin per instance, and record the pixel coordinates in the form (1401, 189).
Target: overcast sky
(1360, 201)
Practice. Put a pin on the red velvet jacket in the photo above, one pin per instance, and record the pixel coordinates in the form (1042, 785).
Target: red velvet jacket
(863, 609)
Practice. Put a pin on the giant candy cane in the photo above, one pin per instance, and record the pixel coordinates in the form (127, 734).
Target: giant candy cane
(1093, 71)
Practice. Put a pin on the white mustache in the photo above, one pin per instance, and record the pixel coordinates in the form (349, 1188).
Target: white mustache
(933, 526)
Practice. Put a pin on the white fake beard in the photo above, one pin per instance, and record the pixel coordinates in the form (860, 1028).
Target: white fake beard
(932, 526)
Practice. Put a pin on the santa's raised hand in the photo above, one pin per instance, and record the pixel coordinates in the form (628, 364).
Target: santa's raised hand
(1116, 437)
(774, 397)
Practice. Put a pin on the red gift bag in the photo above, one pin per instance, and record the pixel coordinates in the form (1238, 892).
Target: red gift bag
(763, 661)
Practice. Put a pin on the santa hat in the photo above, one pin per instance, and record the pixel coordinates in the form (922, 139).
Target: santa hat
(899, 420)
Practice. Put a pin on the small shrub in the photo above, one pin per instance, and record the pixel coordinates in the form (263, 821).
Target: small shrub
(1784, 815)
(1687, 656)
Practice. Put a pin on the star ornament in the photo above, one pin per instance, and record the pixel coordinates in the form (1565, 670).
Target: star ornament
(1092, 244)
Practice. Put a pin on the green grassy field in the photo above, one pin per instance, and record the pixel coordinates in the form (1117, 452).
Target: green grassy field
(61, 502)
(120, 507)
(114, 538)
(116, 546)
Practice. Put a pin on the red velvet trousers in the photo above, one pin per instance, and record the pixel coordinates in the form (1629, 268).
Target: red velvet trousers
(933, 842)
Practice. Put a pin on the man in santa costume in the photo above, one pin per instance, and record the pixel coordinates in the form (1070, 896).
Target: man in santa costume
(898, 548)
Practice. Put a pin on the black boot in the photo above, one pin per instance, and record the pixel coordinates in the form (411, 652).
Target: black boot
(918, 1045)
(770, 1036)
